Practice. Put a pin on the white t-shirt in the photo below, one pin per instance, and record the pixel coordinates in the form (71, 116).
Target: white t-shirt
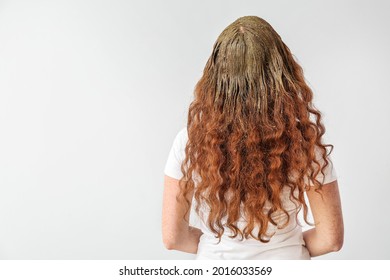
(286, 243)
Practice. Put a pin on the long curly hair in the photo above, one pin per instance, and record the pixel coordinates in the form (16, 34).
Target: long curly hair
(249, 130)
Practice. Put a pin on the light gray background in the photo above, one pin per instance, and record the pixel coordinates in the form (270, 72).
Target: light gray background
(92, 94)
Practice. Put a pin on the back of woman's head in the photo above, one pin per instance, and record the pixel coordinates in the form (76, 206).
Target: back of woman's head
(249, 131)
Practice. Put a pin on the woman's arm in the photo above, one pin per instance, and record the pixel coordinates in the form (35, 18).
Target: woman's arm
(328, 234)
(177, 233)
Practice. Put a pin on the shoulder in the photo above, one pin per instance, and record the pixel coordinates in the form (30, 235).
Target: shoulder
(180, 142)
(181, 137)
(183, 133)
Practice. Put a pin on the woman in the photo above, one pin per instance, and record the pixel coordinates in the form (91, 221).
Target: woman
(249, 154)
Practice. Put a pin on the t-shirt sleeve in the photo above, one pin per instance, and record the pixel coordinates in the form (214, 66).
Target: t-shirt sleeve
(176, 156)
(330, 174)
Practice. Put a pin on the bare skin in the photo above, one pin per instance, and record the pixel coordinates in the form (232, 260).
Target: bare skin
(328, 234)
(177, 233)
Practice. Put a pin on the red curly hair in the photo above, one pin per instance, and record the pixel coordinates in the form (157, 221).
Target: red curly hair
(249, 130)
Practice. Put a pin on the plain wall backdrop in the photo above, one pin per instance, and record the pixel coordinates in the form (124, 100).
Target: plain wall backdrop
(92, 94)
